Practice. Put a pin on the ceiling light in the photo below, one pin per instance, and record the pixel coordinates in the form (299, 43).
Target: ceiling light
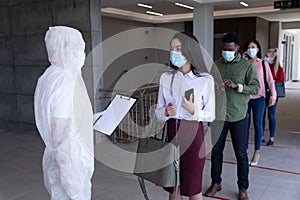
(183, 5)
(154, 13)
(144, 5)
(244, 4)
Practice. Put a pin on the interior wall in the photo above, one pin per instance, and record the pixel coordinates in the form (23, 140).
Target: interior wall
(274, 34)
(244, 27)
(113, 26)
(291, 25)
(262, 34)
(23, 59)
(141, 35)
(177, 26)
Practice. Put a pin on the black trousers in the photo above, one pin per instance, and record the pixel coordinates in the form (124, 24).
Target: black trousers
(238, 131)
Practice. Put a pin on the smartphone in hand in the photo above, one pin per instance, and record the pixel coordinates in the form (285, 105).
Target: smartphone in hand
(188, 93)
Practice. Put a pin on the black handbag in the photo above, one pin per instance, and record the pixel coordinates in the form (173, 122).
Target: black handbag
(280, 89)
(157, 161)
(267, 89)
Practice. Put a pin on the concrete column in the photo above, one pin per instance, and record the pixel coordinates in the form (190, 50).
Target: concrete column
(203, 26)
(23, 57)
(93, 70)
(274, 35)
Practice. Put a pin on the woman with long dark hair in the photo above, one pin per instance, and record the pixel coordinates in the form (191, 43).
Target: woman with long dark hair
(185, 113)
(257, 102)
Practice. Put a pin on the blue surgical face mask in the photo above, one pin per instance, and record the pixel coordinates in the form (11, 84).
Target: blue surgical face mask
(267, 59)
(228, 55)
(252, 52)
(177, 59)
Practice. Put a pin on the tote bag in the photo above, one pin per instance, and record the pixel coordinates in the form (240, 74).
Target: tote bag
(280, 89)
(158, 152)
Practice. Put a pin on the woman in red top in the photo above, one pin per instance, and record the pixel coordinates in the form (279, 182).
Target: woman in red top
(271, 57)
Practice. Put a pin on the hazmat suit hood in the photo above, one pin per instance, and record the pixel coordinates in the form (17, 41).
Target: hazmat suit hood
(65, 47)
(63, 115)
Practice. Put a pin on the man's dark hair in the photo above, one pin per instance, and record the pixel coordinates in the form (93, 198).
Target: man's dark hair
(231, 37)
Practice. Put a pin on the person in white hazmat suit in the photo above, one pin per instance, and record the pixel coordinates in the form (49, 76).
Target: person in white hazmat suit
(64, 117)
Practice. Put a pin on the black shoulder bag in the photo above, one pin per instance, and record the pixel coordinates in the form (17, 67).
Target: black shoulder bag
(163, 157)
(267, 89)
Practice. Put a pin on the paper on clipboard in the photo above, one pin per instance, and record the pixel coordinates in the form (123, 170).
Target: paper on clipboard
(114, 114)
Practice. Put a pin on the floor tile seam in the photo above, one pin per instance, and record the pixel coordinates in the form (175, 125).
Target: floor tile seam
(263, 168)
(279, 147)
(265, 190)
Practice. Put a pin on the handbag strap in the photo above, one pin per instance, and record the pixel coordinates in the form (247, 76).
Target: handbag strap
(143, 187)
(176, 163)
(265, 76)
(165, 132)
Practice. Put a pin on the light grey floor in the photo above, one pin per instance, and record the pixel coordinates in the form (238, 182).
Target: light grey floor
(277, 177)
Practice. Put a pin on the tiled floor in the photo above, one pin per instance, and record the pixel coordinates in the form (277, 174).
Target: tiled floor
(277, 177)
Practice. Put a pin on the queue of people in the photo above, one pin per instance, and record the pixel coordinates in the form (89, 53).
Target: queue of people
(240, 78)
(68, 163)
(246, 82)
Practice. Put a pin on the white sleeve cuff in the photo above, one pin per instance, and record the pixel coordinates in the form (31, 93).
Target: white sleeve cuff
(160, 114)
(240, 88)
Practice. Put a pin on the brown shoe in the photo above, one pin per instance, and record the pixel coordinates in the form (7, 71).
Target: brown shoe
(243, 195)
(213, 189)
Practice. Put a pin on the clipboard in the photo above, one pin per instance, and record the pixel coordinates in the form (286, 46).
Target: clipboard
(114, 114)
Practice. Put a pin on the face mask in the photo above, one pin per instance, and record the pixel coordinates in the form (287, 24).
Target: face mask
(228, 55)
(252, 52)
(177, 59)
(267, 59)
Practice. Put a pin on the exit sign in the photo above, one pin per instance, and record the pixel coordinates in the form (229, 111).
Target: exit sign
(288, 4)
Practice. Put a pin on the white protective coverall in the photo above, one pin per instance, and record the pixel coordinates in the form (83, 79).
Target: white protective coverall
(64, 117)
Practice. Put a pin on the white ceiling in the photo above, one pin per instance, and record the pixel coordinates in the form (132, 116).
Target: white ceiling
(128, 9)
